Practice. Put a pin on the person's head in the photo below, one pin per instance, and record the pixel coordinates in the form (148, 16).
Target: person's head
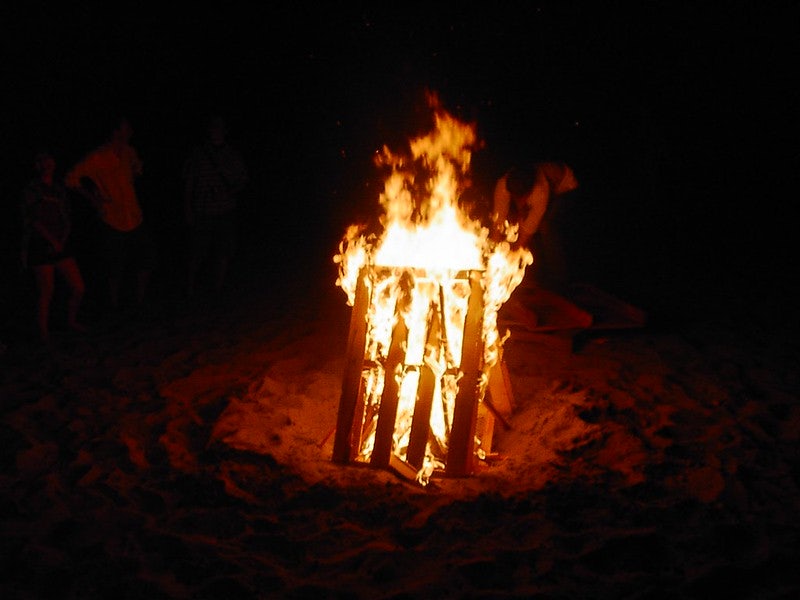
(44, 163)
(217, 130)
(123, 132)
(474, 202)
(520, 180)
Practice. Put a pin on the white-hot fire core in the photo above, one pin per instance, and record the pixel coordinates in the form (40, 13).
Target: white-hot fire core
(426, 244)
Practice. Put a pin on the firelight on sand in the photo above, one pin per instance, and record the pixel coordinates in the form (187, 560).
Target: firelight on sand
(427, 288)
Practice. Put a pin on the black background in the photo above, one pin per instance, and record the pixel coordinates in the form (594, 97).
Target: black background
(679, 119)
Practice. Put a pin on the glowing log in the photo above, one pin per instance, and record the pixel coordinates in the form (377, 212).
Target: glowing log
(351, 412)
(417, 404)
(425, 290)
(461, 450)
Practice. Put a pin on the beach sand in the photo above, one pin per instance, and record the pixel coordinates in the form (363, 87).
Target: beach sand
(186, 453)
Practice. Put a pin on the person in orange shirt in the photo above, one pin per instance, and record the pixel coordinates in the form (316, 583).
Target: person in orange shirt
(106, 177)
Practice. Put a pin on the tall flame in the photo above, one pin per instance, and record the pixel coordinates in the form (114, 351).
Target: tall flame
(425, 232)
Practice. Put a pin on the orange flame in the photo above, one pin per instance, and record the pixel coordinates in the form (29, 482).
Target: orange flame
(426, 233)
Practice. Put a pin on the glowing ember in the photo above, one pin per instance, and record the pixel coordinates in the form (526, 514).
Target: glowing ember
(419, 275)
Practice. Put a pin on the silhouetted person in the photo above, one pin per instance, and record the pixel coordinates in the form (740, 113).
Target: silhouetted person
(528, 195)
(46, 247)
(106, 177)
(213, 175)
(475, 202)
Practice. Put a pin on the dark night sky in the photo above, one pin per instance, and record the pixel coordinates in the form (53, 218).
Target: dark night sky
(681, 120)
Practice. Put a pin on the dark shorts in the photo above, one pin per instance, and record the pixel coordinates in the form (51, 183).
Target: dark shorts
(123, 249)
(213, 237)
(40, 252)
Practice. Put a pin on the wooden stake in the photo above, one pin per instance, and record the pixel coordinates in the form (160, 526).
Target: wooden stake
(352, 385)
(387, 413)
(421, 423)
(461, 446)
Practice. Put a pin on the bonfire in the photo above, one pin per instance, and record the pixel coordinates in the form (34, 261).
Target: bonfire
(424, 349)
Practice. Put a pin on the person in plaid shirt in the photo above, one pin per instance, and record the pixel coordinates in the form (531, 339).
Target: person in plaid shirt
(213, 175)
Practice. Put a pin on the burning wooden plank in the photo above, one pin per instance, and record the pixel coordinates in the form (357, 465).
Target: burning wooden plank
(460, 452)
(423, 339)
(351, 411)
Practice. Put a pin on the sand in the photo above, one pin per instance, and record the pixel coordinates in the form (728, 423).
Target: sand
(186, 453)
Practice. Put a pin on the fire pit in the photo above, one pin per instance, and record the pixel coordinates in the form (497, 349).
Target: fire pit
(424, 382)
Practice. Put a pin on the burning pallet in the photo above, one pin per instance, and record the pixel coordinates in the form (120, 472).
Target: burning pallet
(424, 382)
(419, 399)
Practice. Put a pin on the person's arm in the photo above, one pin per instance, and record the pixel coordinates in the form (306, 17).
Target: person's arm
(89, 190)
(66, 214)
(32, 223)
(136, 162)
(74, 176)
(537, 204)
(79, 178)
(57, 244)
(501, 200)
(566, 181)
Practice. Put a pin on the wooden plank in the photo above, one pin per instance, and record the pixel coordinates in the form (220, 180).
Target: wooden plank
(352, 385)
(497, 400)
(499, 389)
(421, 423)
(487, 402)
(484, 430)
(583, 307)
(609, 312)
(461, 445)
(387, 412)
(553, 312)
(402, 468)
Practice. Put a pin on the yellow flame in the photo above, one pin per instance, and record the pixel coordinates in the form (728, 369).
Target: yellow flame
(425, 233)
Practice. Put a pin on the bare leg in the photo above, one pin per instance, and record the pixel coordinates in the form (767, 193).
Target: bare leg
(45, 283)
(68, 268)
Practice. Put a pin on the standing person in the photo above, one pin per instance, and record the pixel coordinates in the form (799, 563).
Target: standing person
(106, 176)
(46, 246)
(213, 175)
